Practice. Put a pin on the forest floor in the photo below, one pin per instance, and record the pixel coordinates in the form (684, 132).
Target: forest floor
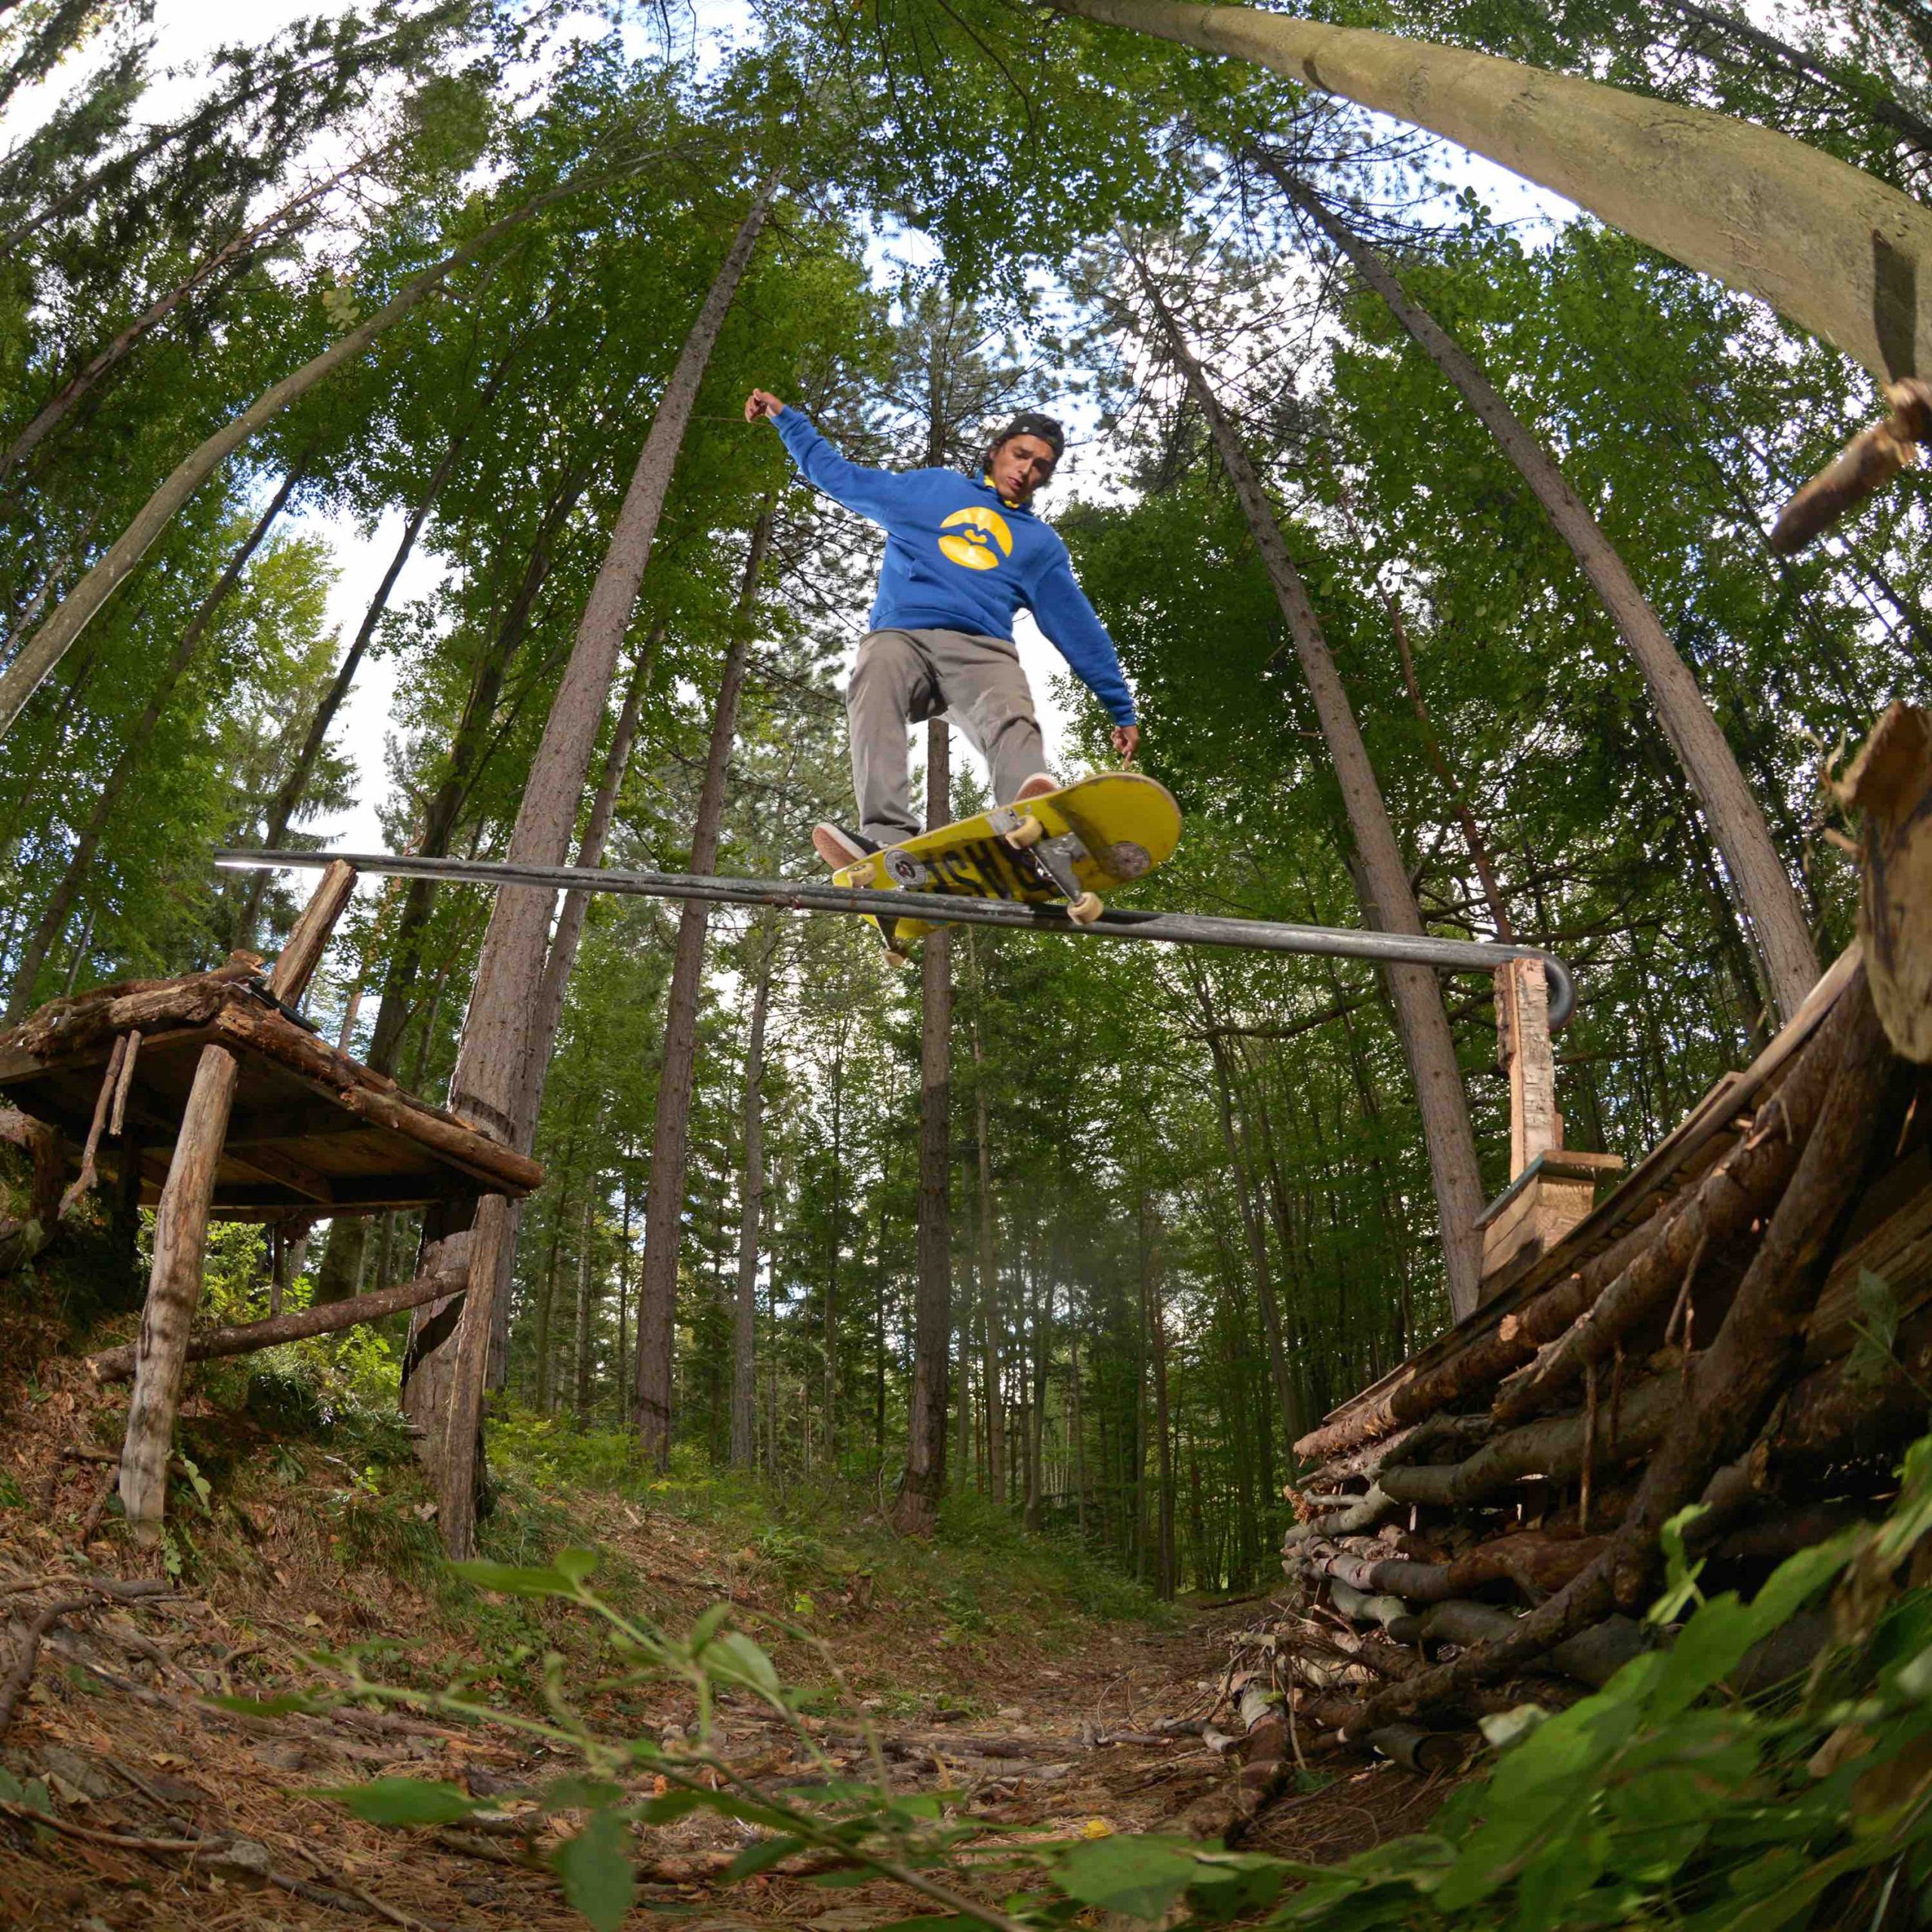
(995, 1665)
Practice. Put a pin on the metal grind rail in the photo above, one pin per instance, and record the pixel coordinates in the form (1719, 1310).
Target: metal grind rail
(1452, 956)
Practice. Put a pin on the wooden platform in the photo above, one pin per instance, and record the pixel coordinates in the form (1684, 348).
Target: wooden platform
(312, 1130)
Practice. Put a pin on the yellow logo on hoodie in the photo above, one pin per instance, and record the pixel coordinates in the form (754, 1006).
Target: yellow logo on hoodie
(973, 549)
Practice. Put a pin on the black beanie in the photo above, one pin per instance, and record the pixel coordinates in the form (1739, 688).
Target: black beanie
(1031, 422)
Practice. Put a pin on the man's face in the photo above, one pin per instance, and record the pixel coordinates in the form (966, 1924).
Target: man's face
(1019, 465)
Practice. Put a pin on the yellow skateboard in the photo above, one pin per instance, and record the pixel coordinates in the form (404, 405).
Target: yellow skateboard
(1066, 847)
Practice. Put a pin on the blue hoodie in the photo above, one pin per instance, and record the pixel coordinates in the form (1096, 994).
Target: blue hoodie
(959, 559)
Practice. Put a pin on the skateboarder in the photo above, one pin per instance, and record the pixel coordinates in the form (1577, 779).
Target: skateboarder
(960, 557)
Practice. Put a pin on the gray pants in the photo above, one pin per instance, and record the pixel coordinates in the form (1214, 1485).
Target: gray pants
(906, 676)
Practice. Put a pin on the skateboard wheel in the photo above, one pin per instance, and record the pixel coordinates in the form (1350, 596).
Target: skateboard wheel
(894, 956)
(1029, 831)
(1085, 909)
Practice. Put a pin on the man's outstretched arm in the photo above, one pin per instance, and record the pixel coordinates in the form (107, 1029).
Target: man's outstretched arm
(876, 494)
(1076, 632)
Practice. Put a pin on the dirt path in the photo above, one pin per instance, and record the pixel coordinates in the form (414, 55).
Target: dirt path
(169, 1812)
(176, 1814)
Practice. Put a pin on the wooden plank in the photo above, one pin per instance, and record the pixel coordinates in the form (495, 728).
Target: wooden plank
(238, 1198)
(272, 1165)
(305, 1120)
(302, 952)
(1522, 1013)
(1561, 1163)
(318, 1065)
(18, 1066)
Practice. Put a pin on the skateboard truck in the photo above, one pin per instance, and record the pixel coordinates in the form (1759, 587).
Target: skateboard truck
(1052, 859)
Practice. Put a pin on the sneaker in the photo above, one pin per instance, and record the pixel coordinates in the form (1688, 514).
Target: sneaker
(1037, 787)
(839, 847)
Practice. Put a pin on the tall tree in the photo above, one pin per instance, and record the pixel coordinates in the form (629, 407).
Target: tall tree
(1767, 898)
(664, 1212)
(915, 1512)
(444, 1391)
(1834, 250)
(751, 1223)
(1387, 900)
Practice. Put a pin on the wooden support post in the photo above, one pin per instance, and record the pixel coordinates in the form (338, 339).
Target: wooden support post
(175, 1289)
(1522, 1030)
(181, 1228)
(1550, 1190)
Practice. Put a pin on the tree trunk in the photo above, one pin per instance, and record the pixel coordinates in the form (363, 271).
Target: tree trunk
(1073, 1423)
(663, 1224)
(557, 967)
(744, 1329)
(443, 1393)
(1833, 248)
(174, 1290)
(586, 1273)
(1424, 1026)
(1036, 1439)
(76, 610)
(1773, 911)
(1882, 109)
(621, 1362)
(1242, 1168)
(546, 1302)
(1473, 841)
(988, 1231)
(569, 935)
(916, 1512)
(1157, 1328)
(54, 915)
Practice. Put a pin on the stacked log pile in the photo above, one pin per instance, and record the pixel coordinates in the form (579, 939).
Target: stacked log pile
(1746, 1322)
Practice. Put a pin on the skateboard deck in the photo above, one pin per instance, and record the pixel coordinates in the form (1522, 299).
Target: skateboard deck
(1065, 847)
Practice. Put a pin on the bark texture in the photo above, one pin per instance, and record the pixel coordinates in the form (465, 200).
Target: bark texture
(1725, 1399)
(174, 1290)
(444, 1392)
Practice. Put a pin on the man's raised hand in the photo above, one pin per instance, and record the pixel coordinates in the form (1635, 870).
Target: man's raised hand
(1127, 742)
(760, 402)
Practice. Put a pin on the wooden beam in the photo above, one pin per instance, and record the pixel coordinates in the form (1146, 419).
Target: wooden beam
(319, 1067)
(447, 1278)
(302, 952)
(302, 1121)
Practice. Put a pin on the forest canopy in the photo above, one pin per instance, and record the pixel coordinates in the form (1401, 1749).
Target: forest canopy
(404, 350)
